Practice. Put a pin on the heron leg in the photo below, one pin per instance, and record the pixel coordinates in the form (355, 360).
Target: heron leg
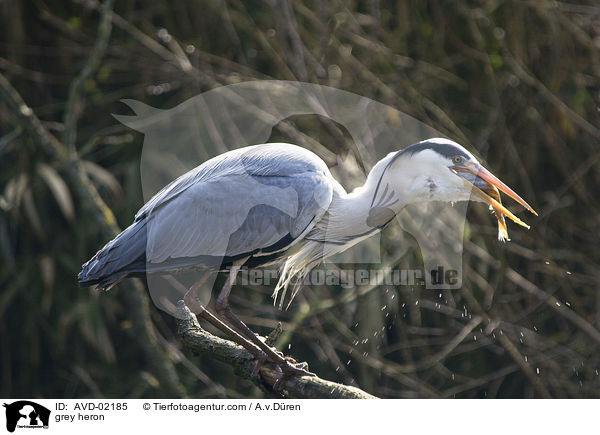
(223, 308)
(192, 302)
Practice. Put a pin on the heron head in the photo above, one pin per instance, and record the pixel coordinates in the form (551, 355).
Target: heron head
(442, 170)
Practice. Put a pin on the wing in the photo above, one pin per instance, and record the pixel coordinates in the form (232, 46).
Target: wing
(254, 201)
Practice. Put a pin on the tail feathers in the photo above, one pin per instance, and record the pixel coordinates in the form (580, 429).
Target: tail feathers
(122, 256)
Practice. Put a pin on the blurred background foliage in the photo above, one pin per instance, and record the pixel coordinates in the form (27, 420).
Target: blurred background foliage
(518, 81)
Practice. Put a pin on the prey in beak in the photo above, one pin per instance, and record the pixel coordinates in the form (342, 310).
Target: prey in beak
(485, 187)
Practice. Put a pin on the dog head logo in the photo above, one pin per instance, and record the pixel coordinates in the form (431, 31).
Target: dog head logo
(26, 414)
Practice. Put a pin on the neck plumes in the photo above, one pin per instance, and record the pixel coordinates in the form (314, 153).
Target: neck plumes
(350, 218)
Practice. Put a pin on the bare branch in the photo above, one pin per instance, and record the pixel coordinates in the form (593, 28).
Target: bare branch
(198, 340)
(74, 100)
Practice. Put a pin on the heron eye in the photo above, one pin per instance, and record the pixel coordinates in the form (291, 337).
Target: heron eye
(457, 159)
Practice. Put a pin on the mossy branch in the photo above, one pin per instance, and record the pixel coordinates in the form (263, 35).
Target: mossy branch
(198, 340)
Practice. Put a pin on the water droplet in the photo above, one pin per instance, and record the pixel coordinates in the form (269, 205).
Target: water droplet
(569, 273)
(25, 110)
(383, 308)
(164, 36)
(547, 262)
(537, 370)
(567, 304)
(557, 304)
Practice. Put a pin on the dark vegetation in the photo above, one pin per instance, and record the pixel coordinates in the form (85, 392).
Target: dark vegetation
(518, 81)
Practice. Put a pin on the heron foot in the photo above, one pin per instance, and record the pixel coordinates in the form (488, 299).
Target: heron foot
(299, 365)
(278, 353)
(303, 366)
(290, 368)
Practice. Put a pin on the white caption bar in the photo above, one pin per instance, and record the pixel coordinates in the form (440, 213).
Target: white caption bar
(151, 416)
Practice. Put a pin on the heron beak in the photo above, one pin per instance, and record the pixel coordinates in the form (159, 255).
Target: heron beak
(486, 187)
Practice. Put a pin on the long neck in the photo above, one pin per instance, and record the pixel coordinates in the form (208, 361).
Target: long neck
(366, 209)
(350, 218)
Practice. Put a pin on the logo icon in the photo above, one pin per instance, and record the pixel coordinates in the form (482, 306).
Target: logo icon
(26, 414)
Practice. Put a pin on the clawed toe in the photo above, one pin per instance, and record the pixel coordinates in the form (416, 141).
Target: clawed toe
(298, 368)
(288, 370)
(303, 366)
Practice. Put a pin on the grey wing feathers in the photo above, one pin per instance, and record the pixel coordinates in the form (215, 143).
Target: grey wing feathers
(123, 255)
(247, 200)
(276, 159)
(268, 226)
(251, 201)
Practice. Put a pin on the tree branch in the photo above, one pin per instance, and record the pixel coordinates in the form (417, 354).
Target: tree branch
(198, 340)
(74, 101)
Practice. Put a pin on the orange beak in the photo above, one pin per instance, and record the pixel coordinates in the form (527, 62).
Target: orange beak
(491, 195)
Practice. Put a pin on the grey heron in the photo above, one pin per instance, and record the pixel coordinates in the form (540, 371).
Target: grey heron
(278, 204)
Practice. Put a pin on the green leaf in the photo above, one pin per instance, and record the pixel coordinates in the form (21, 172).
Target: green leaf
(59, 189)
(102, 176)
